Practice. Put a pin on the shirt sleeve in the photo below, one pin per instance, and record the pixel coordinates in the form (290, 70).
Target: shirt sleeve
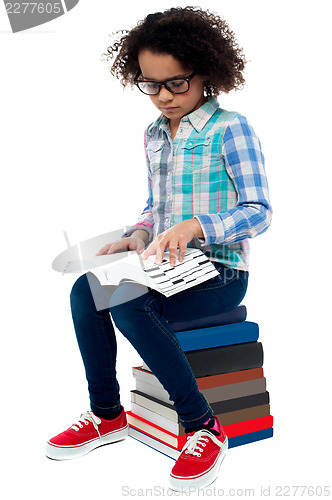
(244, 162)
(145, 220)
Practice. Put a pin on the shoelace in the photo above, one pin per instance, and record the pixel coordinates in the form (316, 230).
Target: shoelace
(85, 418)
(196, 442)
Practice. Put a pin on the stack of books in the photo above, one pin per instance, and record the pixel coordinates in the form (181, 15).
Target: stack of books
(227, 360)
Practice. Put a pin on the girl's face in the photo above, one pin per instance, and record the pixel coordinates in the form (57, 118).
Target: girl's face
(162, 67)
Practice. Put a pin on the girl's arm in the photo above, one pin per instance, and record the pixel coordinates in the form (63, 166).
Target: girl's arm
(244, 162)
(145, 221)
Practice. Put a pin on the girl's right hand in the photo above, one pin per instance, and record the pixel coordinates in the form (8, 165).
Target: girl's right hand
(123, 245)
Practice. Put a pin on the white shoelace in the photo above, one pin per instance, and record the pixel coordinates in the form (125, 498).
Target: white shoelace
(85, 418)
(196, 442)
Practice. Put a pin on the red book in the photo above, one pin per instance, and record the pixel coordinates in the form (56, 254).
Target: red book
(256, 424)
(155, 431)
(177, 442)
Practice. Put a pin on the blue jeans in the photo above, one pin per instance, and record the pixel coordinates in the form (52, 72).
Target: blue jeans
(144, 317)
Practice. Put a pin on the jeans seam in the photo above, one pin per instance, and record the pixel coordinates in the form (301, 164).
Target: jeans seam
(104, 407)
(195, 419)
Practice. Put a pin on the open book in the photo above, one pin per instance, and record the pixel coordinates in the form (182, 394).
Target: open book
(129, 266)
(166, 279)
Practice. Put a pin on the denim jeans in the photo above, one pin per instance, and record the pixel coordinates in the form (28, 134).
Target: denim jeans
(145, 318)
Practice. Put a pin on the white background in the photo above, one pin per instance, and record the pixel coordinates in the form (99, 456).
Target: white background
(72, 159)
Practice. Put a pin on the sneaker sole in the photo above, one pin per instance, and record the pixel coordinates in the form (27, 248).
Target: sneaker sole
(56, 452)
(179, 484)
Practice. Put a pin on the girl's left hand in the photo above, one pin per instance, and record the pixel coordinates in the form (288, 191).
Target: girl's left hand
(173, 238)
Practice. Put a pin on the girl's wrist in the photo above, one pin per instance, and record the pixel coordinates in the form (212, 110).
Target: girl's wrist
(142, 235)
(197, 228)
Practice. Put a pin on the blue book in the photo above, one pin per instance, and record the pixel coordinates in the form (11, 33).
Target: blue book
(217, 336)
(226, 318)
(251, 437)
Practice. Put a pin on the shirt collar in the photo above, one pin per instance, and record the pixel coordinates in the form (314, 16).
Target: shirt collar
(202, 115)
(198, 118)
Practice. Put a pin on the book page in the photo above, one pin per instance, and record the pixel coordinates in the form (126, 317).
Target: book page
(82, 256)
(194, 269)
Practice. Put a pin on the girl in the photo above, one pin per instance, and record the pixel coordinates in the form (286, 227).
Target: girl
(208, 189)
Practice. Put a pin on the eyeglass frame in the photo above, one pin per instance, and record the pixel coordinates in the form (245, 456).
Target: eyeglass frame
(164, 83)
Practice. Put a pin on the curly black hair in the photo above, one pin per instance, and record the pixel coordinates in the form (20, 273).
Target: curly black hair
(201, 40)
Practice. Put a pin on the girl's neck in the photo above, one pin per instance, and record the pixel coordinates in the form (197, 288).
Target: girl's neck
(174, 125)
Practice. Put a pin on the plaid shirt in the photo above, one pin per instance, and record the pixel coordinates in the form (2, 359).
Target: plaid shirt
(213, 170)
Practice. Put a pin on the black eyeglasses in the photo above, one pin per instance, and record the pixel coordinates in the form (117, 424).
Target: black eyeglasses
(175, 85)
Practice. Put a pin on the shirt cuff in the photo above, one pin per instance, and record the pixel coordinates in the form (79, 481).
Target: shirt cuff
(131, 230)
(212, 227)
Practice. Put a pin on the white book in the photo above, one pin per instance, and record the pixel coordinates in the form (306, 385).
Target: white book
(166, 409)
(146, 376)
(145, 367)
(156, 419)
(153, 390)
(130, 267)
(154, 443)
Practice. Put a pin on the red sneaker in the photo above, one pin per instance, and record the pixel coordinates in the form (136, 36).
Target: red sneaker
(199, 462)
(88, 433)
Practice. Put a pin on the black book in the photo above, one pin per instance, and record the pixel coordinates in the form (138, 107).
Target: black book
(225, 359)
(235, 404)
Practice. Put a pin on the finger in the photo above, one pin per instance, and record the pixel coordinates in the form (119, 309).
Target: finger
(140, 246)
(112, 249)
(104, 250)
(117, 246)
(182, 250)
(160, 253)
(172, 253)
(151, 250)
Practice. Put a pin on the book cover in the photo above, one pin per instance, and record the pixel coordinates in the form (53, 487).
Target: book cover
(232, 391)
(216, 336)
(165, 409)
(225, 359)
(236, 315)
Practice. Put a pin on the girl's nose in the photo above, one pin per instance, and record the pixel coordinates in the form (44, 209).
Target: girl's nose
(165, 95)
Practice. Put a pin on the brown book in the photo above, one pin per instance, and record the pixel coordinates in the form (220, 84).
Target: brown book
(229, 378)
(209, 381)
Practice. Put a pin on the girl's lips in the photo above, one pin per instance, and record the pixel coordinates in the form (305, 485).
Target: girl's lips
(170, 108)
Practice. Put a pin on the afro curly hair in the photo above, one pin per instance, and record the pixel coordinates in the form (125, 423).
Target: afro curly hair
(199, 39)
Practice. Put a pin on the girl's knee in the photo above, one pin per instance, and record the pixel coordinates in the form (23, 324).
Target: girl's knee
(125, 294)
(79, 289)
(81, 292)
(126, 303)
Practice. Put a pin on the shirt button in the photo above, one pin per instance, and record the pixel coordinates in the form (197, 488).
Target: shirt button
(168, 173)
(190, 144)
(168, 197)
(167, 219)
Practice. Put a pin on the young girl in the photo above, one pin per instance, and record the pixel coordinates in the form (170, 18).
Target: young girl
(207, 189)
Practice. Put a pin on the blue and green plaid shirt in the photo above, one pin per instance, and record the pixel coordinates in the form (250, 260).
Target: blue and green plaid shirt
(213, 170)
